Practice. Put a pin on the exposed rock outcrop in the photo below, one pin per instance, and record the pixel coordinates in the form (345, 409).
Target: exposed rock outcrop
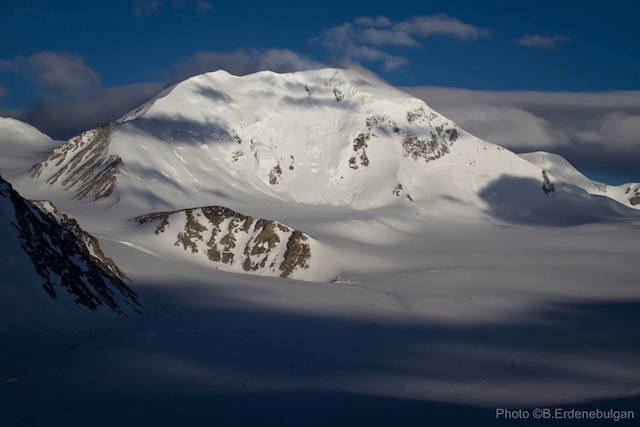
(547, 185)
(234, 241)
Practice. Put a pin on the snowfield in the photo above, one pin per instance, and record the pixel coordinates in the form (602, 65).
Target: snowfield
(396, 269)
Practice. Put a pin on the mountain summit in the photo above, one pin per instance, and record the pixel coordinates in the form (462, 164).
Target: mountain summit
(330, 137)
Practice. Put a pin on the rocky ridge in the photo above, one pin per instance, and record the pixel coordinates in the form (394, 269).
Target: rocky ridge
(232, 240)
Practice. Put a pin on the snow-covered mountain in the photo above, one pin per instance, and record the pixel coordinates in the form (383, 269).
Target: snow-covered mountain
(50, 264)
(330, 137)
(448, 270)
(331, 144)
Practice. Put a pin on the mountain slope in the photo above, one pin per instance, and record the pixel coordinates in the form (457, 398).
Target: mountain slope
(562, 170)
(50, 264)
(21, 145)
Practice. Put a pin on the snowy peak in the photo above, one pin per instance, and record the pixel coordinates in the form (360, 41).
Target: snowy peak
(225, 239)
(324, 137)
(317, 137)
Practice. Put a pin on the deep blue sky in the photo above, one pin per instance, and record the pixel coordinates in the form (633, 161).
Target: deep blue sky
(136, 41)
(125, 48)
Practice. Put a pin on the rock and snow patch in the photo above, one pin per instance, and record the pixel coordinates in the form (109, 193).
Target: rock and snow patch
(232, 241)
(83, 165)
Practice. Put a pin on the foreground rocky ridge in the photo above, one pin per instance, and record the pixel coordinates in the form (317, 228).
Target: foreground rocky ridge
(67, 258)
(234, 241)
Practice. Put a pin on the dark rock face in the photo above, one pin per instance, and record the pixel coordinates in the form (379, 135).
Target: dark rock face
(547, 185)
(227, 237)
(338, 94)
(89, 240)
(633, 193)
(360, 144)
(275, 174)
(82, 165)
(67, 257)
(297, 255)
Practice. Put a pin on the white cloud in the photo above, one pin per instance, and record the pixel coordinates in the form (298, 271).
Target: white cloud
(378, 21)
(542, 41)
(54, 70)
(364, 38)
(440, 24)
(381, 37)
(62, 70)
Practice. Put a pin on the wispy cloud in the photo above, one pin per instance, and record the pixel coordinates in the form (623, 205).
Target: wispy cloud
(146, 8)
(542, 41)
(441, 24)
(143, 8)
(203, 6)
(366, 38)
(377, 21)
(54, 70)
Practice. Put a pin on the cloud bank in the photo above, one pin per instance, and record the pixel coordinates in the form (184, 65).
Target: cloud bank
(365, 38)
(597, 131)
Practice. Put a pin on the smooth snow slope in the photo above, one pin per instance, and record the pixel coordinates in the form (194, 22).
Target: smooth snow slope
(21, 146)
